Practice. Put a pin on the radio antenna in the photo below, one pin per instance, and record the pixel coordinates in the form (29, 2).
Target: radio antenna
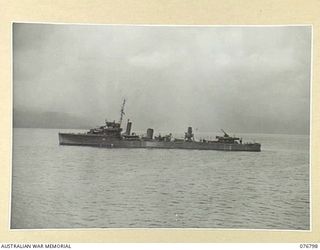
(122, 111)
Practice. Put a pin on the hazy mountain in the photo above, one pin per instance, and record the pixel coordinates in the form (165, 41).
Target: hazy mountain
(27, 118)
(242, 79)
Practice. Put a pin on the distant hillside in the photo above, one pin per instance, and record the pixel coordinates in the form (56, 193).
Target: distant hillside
(24, 118)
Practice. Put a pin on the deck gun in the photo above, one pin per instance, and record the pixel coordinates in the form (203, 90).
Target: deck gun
(225, 134)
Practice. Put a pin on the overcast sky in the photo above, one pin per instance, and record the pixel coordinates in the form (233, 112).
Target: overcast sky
(242, 79)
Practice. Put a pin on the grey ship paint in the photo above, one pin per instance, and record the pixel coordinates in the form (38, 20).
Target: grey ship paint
(110, 136)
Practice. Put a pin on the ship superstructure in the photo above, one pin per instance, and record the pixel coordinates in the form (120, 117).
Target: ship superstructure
(110, 135)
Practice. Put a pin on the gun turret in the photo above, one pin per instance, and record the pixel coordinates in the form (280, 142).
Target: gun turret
(225, 134)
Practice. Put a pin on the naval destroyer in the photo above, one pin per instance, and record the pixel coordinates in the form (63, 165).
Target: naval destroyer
(111, 135)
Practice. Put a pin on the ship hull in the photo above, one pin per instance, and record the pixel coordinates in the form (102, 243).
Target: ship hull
(109, 142)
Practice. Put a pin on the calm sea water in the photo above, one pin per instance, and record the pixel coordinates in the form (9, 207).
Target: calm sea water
(83, 187)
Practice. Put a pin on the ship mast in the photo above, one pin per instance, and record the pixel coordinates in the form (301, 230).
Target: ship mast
(122, 111)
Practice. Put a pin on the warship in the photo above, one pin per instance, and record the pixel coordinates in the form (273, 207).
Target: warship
(111, 135)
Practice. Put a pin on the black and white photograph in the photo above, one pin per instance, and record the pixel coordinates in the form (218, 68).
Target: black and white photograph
(161, 126)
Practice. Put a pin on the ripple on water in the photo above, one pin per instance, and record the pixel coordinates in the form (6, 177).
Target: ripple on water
(83, 187)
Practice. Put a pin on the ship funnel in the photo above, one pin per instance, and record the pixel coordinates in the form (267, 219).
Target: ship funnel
(189, 135)
(150, 133)
(128, 130)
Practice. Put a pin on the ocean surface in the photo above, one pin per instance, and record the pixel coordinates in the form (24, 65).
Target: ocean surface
(84, 187)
